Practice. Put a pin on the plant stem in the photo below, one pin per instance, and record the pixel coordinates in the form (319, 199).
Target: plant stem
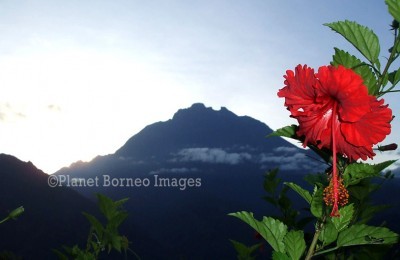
(318, 230)
(133, 252)
(326, 251)
(4, 220)
(89, 239)
(311, 250)
(389, 62)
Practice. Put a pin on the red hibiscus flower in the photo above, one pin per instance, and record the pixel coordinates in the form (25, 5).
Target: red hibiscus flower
(335, 111)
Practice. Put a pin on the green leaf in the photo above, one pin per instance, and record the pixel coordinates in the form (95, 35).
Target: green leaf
(358, 171)
(116, 242)
(125, 245)
(394, 8)
(97, 226)
(119, 203)
(389, 175)
(383, 165)
(285, 203)
(317, 202)
(280, 256)
(272, 230)
(316, 179)
(385, 80)
(287, 131)
(271, 200)
(96, 245)
(329, 234)
(349, 61)
(346, 215)
(60, 255)
(16, 212)
(394, 77)
(344, 58)
(117, 219)
(106, 205)
(302, 192)
(244, 252)
(271, 181)
(361, 37)
(364, 235)
(295, 244)
(362, 190)
(367, 212)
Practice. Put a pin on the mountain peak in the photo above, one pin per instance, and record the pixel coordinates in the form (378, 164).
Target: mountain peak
(198, 109)
(193, 127)
(198, 106)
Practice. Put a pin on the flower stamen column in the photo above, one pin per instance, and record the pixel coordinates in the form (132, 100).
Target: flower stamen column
(335, 209)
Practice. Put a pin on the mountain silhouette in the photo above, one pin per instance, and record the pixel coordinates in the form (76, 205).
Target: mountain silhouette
(223, 156)
(199, 126)
(52, 217)
(197, 133)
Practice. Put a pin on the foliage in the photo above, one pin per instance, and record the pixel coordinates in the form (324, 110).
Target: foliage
(13, 214)
(334, 234)
(346, 235)
(102, 237)
(244, 252)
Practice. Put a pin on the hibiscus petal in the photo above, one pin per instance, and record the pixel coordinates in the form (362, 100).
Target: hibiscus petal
(316, 127)
(347, 88)
(351, 151)
(299, 92)
(372, 128)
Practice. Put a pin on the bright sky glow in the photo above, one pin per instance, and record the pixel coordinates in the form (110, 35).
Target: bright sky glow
(78, 78)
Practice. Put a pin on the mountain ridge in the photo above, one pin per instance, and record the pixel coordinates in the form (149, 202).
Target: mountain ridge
(193, 120)
(199, 128)
(44, 216)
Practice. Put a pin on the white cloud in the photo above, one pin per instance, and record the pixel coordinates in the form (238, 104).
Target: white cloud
(297, 161)
(10, 112)
(293, 161)
(212, 155)
(286, 149)
(174, 170)
(53, 107)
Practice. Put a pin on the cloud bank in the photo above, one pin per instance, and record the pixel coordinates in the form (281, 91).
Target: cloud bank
(211, 155)
(174, 170)
(285, 157)
(289, 158)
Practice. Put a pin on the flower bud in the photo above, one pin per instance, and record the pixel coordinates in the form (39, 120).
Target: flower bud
(394, 25)
(389, 147)
(16, 212)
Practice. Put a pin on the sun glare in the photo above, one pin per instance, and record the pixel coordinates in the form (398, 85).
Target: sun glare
(60, 107)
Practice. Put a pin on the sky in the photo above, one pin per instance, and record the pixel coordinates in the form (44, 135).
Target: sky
(79, 78)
